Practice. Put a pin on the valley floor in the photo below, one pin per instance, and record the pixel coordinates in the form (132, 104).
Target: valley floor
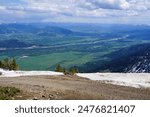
(71, 87)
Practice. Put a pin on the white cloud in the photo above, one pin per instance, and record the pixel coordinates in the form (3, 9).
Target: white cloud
(105, 4)
(140, 5)
(74, 10)
(2, 7)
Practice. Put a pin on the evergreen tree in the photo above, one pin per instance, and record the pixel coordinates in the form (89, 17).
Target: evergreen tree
(1, 65)
(14, 65)
(9, 64)
(58, 68)
(6, 63)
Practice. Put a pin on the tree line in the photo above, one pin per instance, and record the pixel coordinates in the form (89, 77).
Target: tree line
(70, 71)
(9, 64)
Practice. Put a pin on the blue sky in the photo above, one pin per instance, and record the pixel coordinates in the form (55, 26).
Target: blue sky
(89, 11)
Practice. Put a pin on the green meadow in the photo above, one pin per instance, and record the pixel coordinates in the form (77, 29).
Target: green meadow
(49, 61)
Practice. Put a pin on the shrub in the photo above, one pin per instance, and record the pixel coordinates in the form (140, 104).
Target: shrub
(73, 70)
(7, 93)
(65, 72)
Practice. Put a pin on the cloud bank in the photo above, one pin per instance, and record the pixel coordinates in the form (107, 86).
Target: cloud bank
(98, 11)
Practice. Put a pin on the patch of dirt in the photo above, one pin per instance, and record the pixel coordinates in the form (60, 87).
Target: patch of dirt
(71, 88)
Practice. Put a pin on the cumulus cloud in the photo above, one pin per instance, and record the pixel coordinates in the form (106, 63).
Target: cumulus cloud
(73, 10)
(116, 4)
(106, 4)
(140, 5)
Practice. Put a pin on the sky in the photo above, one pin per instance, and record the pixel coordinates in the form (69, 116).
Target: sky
(79, 11)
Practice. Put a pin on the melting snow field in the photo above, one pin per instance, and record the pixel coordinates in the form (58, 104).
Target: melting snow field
(133, 80)
(6, 73)
(129, 79)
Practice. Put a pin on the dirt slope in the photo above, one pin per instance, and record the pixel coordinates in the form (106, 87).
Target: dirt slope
(71, 87)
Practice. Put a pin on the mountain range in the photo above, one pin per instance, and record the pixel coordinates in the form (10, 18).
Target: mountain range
(135, 59)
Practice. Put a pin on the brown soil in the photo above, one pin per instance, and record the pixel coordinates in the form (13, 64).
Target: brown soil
(71, 87)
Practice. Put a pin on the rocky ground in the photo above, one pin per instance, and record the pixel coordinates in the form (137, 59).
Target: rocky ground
(71, 87)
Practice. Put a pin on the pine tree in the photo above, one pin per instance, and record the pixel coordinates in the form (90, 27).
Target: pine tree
(1, 65)
(58, 68)
(9, 64)
(6, 64)
(14, 65)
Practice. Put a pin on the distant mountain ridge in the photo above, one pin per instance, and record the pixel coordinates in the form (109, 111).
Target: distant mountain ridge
(49, 30)
(13, 43)
(28, 28)
(135, 59)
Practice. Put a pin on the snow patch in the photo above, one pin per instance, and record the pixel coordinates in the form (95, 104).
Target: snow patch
(6, 73)
(138, 80)
(129, 79)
